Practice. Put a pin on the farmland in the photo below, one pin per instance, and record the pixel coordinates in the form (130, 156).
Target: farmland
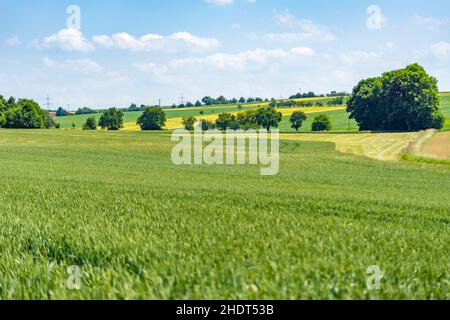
(142, 228)
(338, 115)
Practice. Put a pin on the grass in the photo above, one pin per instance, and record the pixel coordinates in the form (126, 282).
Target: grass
(380, 146)
(143, 228)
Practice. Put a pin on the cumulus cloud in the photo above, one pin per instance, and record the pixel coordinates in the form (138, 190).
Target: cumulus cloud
(81, 65)
(68, 40)
(257, 59)
(304, 30)
(152, 42)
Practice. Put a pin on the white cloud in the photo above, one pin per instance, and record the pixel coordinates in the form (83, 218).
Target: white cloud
(431, 23)
(307, 30)
(68, 40)
(81, 65)
(257, 59)
(356, 57)
(440, 50)
(220, 3)
(152, 42)
(14, 41)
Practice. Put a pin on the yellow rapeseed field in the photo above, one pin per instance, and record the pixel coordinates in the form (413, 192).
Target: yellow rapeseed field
(175, 123)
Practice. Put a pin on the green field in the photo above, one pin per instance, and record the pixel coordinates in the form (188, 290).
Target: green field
(142, 228)
(339, 118)
(79, 120)
(445, 105)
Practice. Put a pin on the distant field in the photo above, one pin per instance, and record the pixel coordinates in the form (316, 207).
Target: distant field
(338, 117)
(140, 227)
(131, 117)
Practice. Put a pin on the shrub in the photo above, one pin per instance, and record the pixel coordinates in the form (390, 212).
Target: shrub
(62, 112)
(321, 123)
(90, 124)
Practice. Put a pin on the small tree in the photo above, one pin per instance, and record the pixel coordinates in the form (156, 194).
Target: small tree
(62, 112)
(297, 119)
(90, 124)
(198, 104)
(268, 117)
(153, 118)
(207, 125)
(242, 100)
(224, 121)
(321, 123)
(189, 122)
(111, 119)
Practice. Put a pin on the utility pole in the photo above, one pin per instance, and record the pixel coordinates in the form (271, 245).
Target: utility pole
(48, 102)
(182, 98)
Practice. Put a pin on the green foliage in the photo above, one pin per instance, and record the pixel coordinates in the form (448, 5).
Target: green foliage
(85, 110)
(297, 119)
(91, 124)
(111, 119)
(189, 122)
(247, 120)
(207, 125)
(49, 121)
(268, 117)
(321, 122)
(23, 114)
(153, 118)
(400, 100)
(62, 112)
(225, 121)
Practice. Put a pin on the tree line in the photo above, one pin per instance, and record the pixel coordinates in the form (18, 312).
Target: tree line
(24, 114)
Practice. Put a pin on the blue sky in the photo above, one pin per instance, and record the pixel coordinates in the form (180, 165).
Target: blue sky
(140, 51)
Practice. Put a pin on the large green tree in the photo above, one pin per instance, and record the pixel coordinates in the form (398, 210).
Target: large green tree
(24, 114)
(111, 119)
(153, 118)
(400, 100)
